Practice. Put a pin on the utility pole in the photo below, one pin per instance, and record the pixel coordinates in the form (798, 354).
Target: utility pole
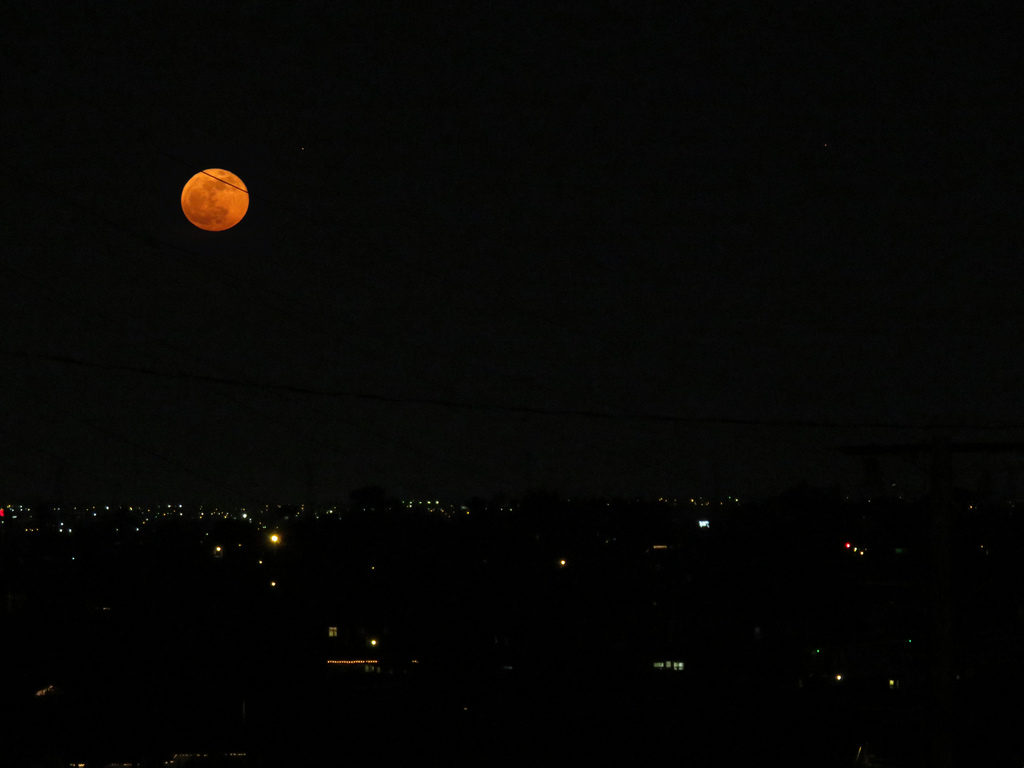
(941, 450)
(941, 604)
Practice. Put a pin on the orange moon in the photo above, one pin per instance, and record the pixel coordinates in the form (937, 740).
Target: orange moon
(214, 199)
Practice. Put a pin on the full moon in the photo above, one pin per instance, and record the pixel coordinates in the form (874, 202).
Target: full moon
(214, 199)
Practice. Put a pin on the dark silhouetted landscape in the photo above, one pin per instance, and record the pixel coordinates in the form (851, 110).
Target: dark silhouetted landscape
(799, 628)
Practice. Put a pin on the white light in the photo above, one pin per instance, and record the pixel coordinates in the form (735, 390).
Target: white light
(704, 523)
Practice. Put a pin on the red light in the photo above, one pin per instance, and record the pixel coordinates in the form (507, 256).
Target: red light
(847, 545)
(1, 513)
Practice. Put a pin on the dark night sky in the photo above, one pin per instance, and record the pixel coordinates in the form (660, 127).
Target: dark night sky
(469, 221)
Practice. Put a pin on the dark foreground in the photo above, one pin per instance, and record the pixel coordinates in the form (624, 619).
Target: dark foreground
(163, 710)
(545, 638)
(548, 722)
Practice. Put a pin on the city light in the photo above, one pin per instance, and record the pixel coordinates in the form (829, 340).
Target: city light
(337, 583)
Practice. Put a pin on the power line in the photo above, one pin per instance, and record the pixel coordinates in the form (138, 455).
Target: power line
(178, 465)
(280, 303)
(283, 307)
(224, 181)
(63, 301)
(649, 416)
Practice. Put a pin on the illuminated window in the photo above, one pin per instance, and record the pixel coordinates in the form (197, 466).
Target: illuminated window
(332, 631)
